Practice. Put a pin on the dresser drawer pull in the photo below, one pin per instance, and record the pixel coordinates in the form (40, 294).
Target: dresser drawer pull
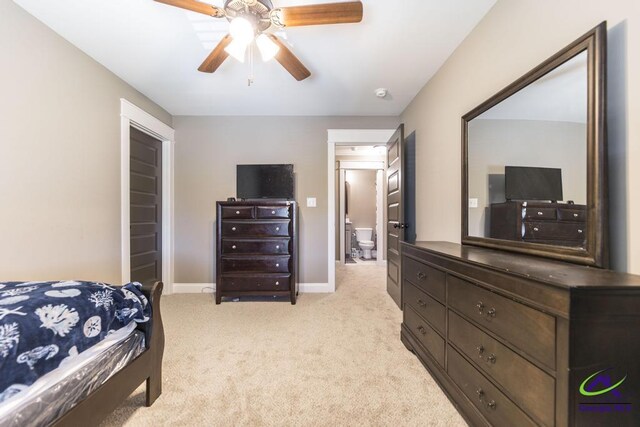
(277, 246)
(237, 212)
(480, 307)
(579, 231)
(233, 247)
(277, 265)
(259, 284)
(273, 212)
(540, 213)
(277, 228)
(575, 215)
(492, 312)
(421, 303)
(480, 349)
(492, 405)
(536, 229)
(480, 393)
(422, 330)
(491, 358)
(233, 229)
(421, 275)
(277, 283)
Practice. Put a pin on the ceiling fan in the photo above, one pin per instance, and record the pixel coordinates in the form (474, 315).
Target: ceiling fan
(250, 19)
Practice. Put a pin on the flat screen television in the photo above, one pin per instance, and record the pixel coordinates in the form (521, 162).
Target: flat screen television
(264, 182)
(529, 183)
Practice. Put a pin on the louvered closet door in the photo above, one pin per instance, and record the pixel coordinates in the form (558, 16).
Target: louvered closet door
(146, 207)
(395, 232)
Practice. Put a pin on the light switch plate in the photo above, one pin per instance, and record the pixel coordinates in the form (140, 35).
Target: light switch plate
(473, 203)
(311, 202)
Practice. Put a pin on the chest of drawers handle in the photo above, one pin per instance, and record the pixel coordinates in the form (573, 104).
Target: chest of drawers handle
(421, 303)
(237, 212)
(575, 215)
(480, 393)
(277, 265)
(277, 228)
(480, 349)
(579, 231)
(273, 212)
(491, 312)
(233, 247)
(536, 229)
(277, 283)
(480, 307)
(421, 275)
(491, 358)
(277, 246)
(492, 405)
(540, 213)
(422, 330)
(233, 229)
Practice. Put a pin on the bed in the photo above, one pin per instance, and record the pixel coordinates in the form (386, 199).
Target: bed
(71, 352)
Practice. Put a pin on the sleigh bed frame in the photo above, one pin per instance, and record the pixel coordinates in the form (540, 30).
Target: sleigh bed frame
(146, 367)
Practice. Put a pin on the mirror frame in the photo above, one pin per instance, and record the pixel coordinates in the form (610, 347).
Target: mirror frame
(596, 251)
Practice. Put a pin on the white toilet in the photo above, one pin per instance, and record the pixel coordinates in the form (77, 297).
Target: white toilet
(363, 236)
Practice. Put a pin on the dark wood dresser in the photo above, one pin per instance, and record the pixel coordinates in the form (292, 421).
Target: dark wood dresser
(515, 340)
(256, 249)
(537, 222)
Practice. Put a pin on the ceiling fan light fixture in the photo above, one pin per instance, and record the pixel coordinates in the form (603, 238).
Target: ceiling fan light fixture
(268, 49)
(242, 30)
(237, 49)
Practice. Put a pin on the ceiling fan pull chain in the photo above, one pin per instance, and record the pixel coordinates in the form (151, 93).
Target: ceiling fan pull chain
(250, 79)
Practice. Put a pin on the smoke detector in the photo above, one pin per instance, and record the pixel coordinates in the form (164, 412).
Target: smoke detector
(381, 92)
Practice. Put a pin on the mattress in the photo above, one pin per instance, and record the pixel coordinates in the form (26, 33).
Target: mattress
(55, 393)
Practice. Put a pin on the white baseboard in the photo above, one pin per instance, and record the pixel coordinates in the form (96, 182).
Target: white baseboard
(314, 288)
(193, 288)
(198, 288)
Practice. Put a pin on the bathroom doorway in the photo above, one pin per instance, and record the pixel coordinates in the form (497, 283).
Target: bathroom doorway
(360, 205)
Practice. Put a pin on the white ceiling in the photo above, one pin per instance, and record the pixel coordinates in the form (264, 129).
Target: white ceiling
(157, 49)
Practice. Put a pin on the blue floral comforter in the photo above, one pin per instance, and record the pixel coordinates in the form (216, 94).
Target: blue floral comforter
(44, 323)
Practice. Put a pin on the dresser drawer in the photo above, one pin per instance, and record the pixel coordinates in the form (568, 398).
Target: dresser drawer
(273, 212)
(264, 246)
(539, 230)
(243, 212)
(528, 329)
(535, 395)
(255, 229)
(271, 282)
(494, 406)
(540, 213)
(263, 264)
(568, 214)
(425, 334)
(429, 279)
(427, 307)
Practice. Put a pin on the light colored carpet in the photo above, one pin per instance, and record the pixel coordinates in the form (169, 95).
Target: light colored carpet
(331, 360)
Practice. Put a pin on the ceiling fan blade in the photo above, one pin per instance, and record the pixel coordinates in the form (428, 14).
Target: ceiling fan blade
(195, 6)
(216, 57)
(289, 61)
(318, 14)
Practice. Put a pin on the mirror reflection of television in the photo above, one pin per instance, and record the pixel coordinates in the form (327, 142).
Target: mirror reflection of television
(264, 182)
(530, 183)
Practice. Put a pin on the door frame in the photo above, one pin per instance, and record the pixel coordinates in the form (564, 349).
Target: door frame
(343, 137)
(380, 168)
(133, 116)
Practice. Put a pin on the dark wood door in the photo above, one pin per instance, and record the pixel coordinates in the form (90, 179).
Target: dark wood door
(146, 207)
(395, 215)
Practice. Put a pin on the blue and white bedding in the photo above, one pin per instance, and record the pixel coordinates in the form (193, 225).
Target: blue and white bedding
(44, 325)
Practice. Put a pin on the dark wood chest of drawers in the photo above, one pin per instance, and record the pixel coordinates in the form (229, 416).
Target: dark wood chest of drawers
(536, 222)
(516, 340)
(256, 249)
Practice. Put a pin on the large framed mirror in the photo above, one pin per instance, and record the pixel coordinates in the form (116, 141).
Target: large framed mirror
(534, 160)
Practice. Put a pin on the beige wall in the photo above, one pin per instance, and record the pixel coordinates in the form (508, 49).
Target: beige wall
(514, 37)
(362, 198)
(207, 152)
(59, 156)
